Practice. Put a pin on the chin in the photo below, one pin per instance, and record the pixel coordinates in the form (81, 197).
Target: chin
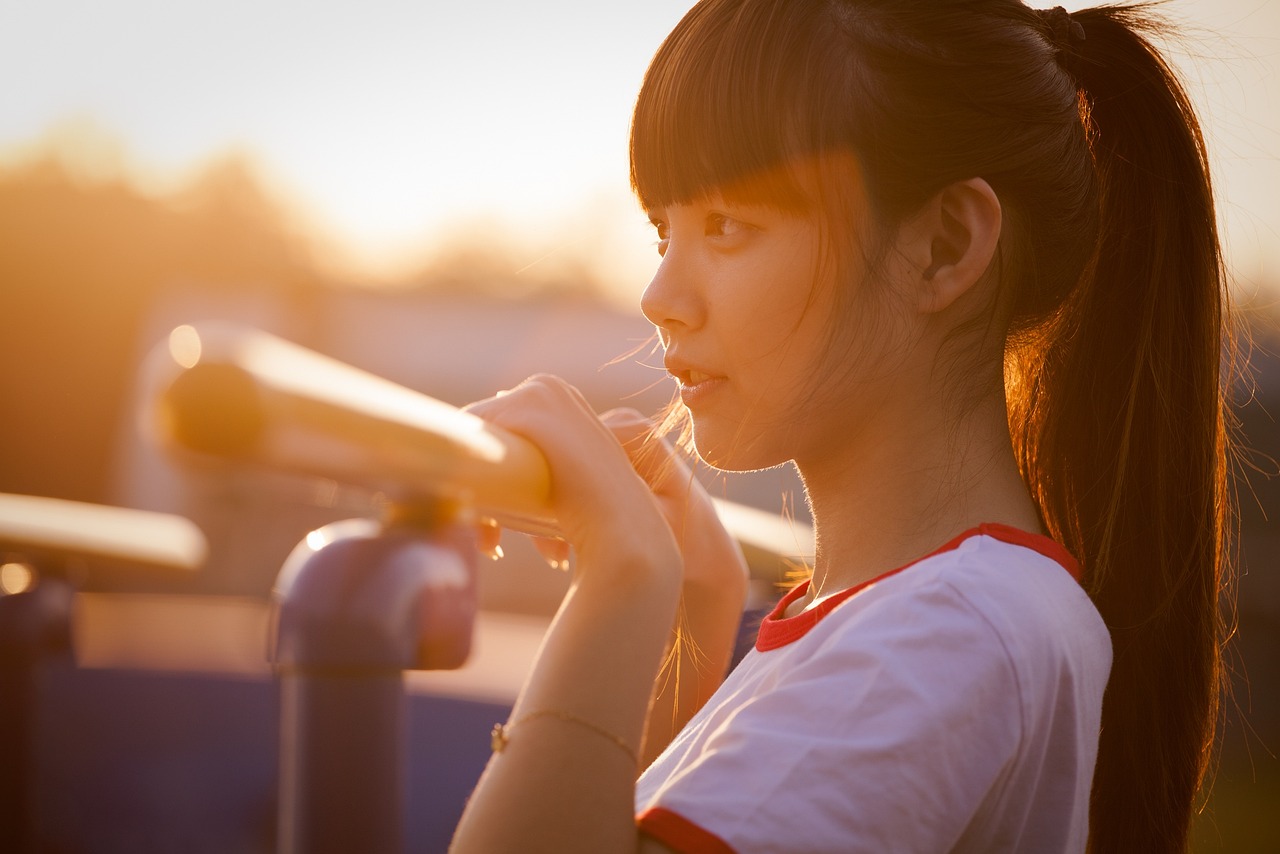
(732, 452)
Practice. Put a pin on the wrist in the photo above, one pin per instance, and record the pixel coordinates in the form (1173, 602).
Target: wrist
(631, 564)
(714, 562)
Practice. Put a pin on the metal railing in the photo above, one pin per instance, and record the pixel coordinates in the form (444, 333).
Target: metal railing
(357, 603)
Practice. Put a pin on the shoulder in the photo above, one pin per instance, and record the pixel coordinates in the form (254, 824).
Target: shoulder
(1003, 589)
(984, 628)
(984, 618)
(1023, 591)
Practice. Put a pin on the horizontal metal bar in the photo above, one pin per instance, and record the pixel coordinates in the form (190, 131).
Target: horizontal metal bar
(241, 394)
(34, 526)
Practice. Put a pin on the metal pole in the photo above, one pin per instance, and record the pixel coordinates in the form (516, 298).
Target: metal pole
(356, 605)
(35, 627)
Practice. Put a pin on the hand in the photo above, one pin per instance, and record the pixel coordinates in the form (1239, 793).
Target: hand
(712, 559)
(601, 654)
(602, 505)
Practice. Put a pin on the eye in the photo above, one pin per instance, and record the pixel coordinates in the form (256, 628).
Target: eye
(724, 226)
(664, 233)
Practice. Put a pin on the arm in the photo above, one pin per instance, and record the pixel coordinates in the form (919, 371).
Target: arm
(699, 651)
(559, 784)
(563, 782)
(713, 590)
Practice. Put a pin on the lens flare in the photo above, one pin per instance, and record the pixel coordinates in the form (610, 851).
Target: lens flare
(184, 346)
(16, 578)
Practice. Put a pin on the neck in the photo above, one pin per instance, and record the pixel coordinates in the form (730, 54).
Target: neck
(910, 481)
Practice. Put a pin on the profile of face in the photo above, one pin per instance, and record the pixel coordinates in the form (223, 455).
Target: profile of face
(773, 360)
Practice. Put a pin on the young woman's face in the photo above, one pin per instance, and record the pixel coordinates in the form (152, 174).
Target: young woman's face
(745, 315)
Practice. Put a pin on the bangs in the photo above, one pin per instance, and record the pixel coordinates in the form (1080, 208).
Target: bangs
(740, 100)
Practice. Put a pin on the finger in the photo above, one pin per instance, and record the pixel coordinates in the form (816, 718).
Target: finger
(489, 538)
(525, 408)
(623, 417)
(653, 457)
(554, 550)
(632, 430)
(478, 407)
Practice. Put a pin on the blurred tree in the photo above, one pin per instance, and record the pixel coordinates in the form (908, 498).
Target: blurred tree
(83, 253)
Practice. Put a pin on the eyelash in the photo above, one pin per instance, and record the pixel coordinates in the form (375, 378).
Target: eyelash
(663, 235)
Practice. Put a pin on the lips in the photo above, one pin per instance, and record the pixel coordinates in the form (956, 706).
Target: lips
(689, 376)
(696, 384)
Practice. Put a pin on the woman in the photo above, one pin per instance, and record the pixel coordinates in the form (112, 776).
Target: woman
(957, 260)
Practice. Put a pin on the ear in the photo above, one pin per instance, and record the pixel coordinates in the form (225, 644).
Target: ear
(953, 238)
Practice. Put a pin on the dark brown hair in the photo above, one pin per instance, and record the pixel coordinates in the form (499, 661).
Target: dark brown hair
(1111, 288)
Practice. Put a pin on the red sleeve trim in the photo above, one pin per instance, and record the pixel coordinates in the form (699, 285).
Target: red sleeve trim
(679, 834)
(1050, 548)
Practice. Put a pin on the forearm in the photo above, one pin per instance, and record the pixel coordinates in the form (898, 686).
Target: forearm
(563, 782)
(700, 651)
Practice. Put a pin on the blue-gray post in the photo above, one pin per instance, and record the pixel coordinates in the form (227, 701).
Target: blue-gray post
(356, 605)
(35, 628)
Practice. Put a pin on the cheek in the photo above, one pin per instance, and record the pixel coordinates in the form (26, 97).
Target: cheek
(866, 341)
(786, 316)
(813, 317)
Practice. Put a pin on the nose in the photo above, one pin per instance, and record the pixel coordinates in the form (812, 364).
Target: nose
(672, 301)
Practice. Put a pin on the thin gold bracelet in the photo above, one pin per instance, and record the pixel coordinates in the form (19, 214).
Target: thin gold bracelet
(501, 734)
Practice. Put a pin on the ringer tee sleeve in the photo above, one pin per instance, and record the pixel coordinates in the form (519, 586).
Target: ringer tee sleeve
(886, 734)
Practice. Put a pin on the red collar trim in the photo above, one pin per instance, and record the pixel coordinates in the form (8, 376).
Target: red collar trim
(777, 630)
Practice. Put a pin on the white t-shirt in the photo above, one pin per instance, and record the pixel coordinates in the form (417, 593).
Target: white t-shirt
(951, 705)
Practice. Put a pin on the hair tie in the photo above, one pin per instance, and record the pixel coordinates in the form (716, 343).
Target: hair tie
(1063, 29)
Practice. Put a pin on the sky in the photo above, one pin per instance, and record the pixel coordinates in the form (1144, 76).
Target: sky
(396, 126)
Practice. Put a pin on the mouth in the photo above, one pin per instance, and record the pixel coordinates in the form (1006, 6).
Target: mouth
(691, 378)
(696, 387)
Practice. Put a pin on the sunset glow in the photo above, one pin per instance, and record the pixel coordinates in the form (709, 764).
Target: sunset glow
(394, 130)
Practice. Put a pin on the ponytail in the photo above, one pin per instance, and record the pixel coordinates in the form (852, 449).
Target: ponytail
(1120, 431)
